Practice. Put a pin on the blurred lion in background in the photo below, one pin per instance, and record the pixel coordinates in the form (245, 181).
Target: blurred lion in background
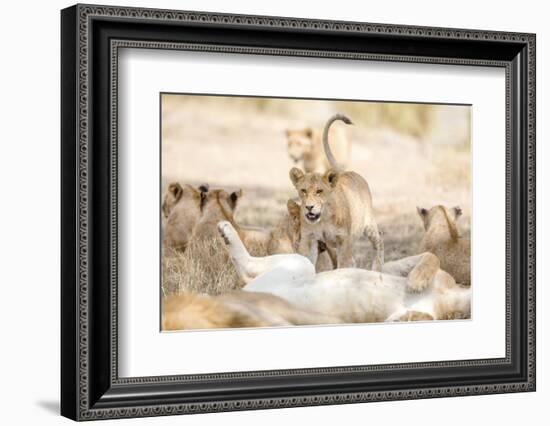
(305, 148)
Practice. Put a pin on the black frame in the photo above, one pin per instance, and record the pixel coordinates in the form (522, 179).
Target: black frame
(90, 38)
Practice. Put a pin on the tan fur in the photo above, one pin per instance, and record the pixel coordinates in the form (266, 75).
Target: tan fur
(173, 194)
(449, 301)
(341, 205)
(182, 209)
(285, 238)
(305, 146)
(220, 205)
(237, 309)
(412, 287)
(422, 274)
(442, 239)
(192, 213)
(415, 316)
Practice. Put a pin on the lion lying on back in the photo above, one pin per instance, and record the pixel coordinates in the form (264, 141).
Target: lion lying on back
(284, 290)
(442, 239)
(413, 288)
(306, 146)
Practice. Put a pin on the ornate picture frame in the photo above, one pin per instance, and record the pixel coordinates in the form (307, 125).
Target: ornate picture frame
(91, 37)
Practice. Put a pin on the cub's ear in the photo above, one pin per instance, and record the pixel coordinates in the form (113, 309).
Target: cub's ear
(457, 212)
(293, 208)
(422, 212)
(331, 177)
(296, 175)
(176, 190)
(234, 197)
(203, 194)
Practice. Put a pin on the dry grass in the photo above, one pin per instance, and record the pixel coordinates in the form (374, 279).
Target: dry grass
(204, 267)
(239, 143)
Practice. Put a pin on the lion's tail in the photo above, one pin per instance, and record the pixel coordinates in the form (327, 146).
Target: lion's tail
(450, 224)
(328, 152)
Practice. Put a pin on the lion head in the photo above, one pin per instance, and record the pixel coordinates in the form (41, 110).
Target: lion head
(439, 216)
(299, 143)
(218, 205)
(176, 192)
(171, 198)
(220, 202)
(314, 190)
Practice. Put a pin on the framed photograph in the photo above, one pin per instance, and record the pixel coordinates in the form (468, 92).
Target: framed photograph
(263, 212)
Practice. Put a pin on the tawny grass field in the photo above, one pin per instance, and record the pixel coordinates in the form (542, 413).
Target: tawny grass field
(411, 155)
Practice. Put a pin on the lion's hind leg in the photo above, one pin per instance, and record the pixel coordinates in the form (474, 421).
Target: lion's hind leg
(267, 269)
(423, 272)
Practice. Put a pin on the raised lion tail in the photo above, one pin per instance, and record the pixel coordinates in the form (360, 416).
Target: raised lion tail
(328, 152)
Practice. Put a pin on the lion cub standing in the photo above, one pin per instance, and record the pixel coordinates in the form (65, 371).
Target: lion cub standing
(442, 239)
(336, 207)
(285, 238)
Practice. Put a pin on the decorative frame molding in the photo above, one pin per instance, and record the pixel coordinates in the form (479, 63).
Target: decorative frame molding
(91, 388)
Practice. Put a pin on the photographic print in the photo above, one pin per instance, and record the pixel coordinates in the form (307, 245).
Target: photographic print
(291, 212)
(329, 206)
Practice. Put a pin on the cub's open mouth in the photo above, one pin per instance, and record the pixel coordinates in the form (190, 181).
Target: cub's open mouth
(313, 217)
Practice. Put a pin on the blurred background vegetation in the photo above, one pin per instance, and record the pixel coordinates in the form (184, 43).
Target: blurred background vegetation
(435, 123)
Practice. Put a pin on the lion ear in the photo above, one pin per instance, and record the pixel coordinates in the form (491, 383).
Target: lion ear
(234, 197)
(203, 193)
(296, 175)
(176, 190)
(457, 211)
(293, 208)
(422, 212)
(331, 177)
(308, 132)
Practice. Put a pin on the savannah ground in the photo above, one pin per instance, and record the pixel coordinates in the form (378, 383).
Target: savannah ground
(411, 155)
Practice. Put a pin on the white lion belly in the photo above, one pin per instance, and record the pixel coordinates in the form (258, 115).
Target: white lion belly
(351, 294)
(358, 295)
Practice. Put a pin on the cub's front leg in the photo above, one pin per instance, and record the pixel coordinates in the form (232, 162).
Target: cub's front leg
(345, 253)
(309, 247)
